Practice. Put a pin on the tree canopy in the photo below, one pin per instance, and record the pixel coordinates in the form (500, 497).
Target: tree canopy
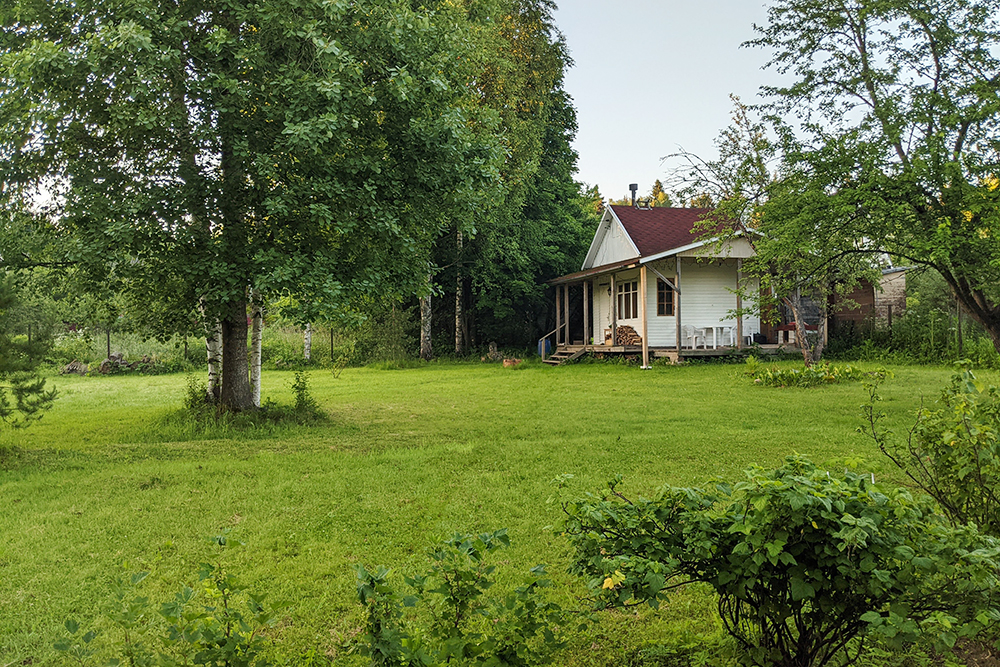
(890, 128)
(195, 150)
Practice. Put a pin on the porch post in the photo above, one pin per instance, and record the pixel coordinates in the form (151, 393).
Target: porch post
(614, 312)
(566, 338)
(677, 302)
(558, 312)
(642, 305)
(739, 305)
(586, 313)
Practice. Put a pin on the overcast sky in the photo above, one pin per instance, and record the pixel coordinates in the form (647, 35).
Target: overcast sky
(654, 75)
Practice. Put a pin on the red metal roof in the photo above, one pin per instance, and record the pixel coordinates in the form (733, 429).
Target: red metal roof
(656, 230)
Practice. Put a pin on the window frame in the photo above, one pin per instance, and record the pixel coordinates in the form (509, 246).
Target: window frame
(664, 306)
(626, 305)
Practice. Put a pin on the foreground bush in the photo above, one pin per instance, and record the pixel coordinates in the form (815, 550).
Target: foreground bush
(803, 561)
(952, 453)
(455, 622)
(217, 622)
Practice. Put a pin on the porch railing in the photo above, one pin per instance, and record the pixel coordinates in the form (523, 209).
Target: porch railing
(541, 341)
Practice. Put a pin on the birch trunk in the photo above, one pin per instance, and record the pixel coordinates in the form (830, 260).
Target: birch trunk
(256, 339)
(213, 346)
(426, 350)
(307, 343)
(458, 295)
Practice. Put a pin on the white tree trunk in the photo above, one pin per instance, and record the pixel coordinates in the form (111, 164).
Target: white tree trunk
(307, 343)
(426, 349)
(256, 338)
(213, 346)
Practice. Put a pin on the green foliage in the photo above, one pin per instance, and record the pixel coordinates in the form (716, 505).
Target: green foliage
(809, 376)
(23, 396)
(458, 624)
(927, 332)
(219, 622)
(297, 148)
(305, 404)
(952, 453)
(895, 144)
(803, 561)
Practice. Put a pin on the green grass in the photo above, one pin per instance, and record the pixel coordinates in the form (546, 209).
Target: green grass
(111, 481)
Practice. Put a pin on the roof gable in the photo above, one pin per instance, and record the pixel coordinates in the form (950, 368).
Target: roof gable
(656, 230)
(611, 243)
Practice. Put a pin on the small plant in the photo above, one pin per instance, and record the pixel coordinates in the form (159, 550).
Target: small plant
(305, 404)
(809, 376)
(458, 624)
(806, 563)
(952, 453)
(196, 399)
(220, 622)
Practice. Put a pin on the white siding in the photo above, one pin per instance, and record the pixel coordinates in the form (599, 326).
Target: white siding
(614, 247)
(731, 249)
(706, 299)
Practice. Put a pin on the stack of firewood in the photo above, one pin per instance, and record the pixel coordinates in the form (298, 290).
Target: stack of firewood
(628, 336)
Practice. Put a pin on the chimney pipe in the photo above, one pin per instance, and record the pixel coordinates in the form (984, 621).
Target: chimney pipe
(633, 187)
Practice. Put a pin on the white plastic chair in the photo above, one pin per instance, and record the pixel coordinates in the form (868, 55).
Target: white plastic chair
(728, 336)
(692, 334)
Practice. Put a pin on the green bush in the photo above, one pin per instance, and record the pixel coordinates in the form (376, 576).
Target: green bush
(952, 453)
(218, 622)
(803, 561)
(809, 376)
(453, 621)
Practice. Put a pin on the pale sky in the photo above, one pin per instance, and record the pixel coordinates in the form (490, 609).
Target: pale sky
(654, 75)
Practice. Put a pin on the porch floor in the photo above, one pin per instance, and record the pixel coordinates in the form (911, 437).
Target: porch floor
(669, 352)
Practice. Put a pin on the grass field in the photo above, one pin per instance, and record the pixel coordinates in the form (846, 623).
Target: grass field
(112, 481)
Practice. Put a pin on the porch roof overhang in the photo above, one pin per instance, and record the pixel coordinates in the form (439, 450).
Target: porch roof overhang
(595, 271)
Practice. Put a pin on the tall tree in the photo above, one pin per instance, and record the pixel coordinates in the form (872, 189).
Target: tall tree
(197, 150)
(897, 138)
(537, 230)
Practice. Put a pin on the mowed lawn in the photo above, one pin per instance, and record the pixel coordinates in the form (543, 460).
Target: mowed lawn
(112, 482)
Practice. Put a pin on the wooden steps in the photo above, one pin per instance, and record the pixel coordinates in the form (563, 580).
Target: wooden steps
(562, 355)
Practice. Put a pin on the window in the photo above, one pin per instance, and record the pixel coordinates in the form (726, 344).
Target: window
(664, 299)
(628, 300)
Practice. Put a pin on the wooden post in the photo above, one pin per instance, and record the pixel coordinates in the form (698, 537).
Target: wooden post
(643, 311)
(586, 313)
(558, 312)
(739, 304)
(614, 312)
(677, 302)
(566, 339)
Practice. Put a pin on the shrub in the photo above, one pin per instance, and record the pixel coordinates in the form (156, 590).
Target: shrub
(456, 622)
(803, 561)
(952, 453)
(808, 376)
(220, 623)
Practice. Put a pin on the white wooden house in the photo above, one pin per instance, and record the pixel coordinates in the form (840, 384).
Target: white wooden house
(647, 269)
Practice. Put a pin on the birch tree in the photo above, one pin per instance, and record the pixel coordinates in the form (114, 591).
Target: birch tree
(198, 150)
